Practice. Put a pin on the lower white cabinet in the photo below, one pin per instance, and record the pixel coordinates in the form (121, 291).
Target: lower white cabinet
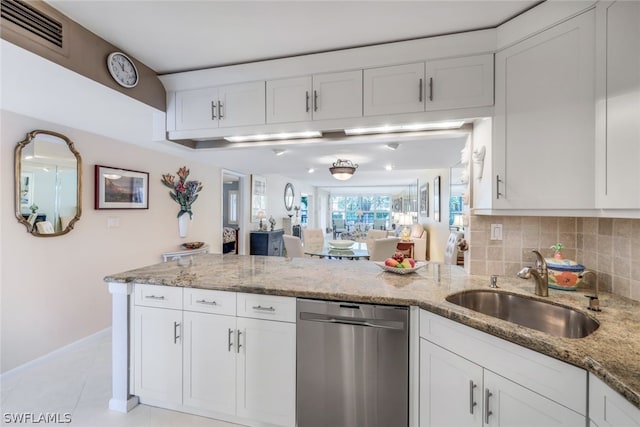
(522, 387)
(206, 360)
(607, 408)
(266, 371)
(158, 354)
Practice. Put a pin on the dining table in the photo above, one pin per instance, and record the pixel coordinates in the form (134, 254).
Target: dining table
(356, 251)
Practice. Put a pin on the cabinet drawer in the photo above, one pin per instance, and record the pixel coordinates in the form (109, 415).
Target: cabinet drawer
(209, 301)
(266, 307)
(552, 378)
(158, 296)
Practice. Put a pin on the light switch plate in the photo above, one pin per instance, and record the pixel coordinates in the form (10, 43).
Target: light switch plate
(496, 231)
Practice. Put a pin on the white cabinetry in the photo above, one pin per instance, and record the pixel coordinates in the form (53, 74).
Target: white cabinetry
(608, 409)
(618, 105)
(459, 82)
(241, 104)
(393, 90)
(317, 97)
(543, 139)
(468, 378)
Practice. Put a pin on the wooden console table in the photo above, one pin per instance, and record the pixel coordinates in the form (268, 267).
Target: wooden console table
(406, 247)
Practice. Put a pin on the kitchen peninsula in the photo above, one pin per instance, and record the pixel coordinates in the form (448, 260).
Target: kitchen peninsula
(611, 354)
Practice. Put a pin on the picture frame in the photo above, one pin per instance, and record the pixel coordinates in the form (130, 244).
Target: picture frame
(424, 199)
(258, 196)
(436, 199)
(118, 188)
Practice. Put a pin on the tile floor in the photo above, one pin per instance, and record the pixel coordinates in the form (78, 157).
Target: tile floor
(78, 381)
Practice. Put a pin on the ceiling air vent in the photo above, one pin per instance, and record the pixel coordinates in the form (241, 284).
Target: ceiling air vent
(32, 20)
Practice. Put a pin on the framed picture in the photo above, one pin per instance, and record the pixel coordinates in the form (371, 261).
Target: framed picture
(258, 196)
(424, 199)
(118, 188)
(436, 198)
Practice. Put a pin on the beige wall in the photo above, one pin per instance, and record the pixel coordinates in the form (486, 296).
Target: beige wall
(611, 247)
(438, 231)
(52, 291)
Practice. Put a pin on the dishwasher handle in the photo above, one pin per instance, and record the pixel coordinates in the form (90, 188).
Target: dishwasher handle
(369, 323)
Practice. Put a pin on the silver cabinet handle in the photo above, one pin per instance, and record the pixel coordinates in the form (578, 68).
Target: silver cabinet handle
(238, 345)
(472, 402)
(430, 88)
(229, 342)
(220, 110)
(498, 181)
(176, 325)
(259, 307)
(213, 110)
(315, 100)
(487, 412)
(306, 101)
(204, 301)
(420, 91)
(161, 297)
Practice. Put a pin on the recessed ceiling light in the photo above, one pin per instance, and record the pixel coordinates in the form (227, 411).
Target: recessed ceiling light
(279, 151)
(311, 170)
(388, 167)
(392, 146)
(274, 136)
(405, 128)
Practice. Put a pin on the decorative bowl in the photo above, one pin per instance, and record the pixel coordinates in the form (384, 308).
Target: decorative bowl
(399, 270)
(564, 274)
(341, 244)
(192, 245)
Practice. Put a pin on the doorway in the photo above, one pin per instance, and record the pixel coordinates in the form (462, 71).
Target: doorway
(233, 188)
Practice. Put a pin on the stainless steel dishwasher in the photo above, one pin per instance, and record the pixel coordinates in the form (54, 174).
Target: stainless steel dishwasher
(353, 365)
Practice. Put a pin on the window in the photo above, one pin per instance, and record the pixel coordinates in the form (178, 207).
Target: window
(363, 211)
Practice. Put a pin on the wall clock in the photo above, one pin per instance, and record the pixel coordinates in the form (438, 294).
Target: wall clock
(122, 69)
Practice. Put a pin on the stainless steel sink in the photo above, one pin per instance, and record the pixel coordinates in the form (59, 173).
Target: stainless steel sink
(557, 320)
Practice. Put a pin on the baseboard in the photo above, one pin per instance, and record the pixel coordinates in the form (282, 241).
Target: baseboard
(55, 353)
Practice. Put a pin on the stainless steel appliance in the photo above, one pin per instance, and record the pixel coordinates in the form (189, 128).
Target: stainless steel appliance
(353, 365)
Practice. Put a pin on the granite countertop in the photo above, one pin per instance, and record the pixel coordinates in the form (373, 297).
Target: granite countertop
(612, 352)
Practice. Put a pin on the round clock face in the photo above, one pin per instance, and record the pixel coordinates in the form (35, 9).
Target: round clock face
(122, 69)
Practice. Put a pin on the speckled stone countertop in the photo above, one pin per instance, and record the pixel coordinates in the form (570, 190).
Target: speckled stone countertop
(612, 352)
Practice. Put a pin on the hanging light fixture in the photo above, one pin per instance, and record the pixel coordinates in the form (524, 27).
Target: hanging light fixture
(343, 169)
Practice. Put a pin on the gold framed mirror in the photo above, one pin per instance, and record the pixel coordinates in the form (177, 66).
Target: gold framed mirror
(48, 183)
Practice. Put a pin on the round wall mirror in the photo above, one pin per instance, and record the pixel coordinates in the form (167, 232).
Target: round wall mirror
(288, 196)
(48, 183)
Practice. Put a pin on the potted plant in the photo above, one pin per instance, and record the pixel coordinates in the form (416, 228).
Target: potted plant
(557, 251)
(34, 208)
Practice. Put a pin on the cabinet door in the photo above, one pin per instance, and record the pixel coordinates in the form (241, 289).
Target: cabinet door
(289, 100)
(241, 104)
(337, 95)
(267, 371)
(607, 408)
(450, 388)
(509, 404)
(158, 355)
(459, 83)
(397, 89)
(210, 362)
(544, 115)
(197, 109)
(618, 107)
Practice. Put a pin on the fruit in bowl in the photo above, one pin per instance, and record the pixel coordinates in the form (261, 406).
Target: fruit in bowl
(398, 260)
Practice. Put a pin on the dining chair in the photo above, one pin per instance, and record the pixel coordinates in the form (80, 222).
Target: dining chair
(339, 227)
(44, 227)
(381, 249)
(293, 246)
(313, 236)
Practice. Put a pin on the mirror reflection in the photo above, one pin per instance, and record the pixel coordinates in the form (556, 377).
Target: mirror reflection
(288, 196)
(48, 183)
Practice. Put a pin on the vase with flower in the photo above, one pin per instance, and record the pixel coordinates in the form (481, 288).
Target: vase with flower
(184, 193)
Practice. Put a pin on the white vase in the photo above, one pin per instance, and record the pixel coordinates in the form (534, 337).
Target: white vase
(183, 224)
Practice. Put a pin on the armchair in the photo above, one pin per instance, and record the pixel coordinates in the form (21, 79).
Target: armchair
(381, 249)
(420, 238)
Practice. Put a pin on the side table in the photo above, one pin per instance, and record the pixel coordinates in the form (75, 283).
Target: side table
(406, 247)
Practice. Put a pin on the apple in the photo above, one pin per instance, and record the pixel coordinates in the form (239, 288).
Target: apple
(390, 262)
(412, 262)
(405, 263)
(398, 256)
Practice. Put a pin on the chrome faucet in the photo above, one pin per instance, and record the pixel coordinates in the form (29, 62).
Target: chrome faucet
(594, 302)
(540, 275)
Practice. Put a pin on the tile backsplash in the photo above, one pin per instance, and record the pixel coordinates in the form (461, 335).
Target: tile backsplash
(608, 246)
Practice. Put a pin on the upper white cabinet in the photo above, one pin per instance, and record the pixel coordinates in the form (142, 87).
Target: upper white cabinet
(618, 105)
(459, 82)
(543, 136)
(393, 90)
(233, 105)
(317, 97)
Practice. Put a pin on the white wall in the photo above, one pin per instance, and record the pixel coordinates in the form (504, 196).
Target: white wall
(275, 198)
